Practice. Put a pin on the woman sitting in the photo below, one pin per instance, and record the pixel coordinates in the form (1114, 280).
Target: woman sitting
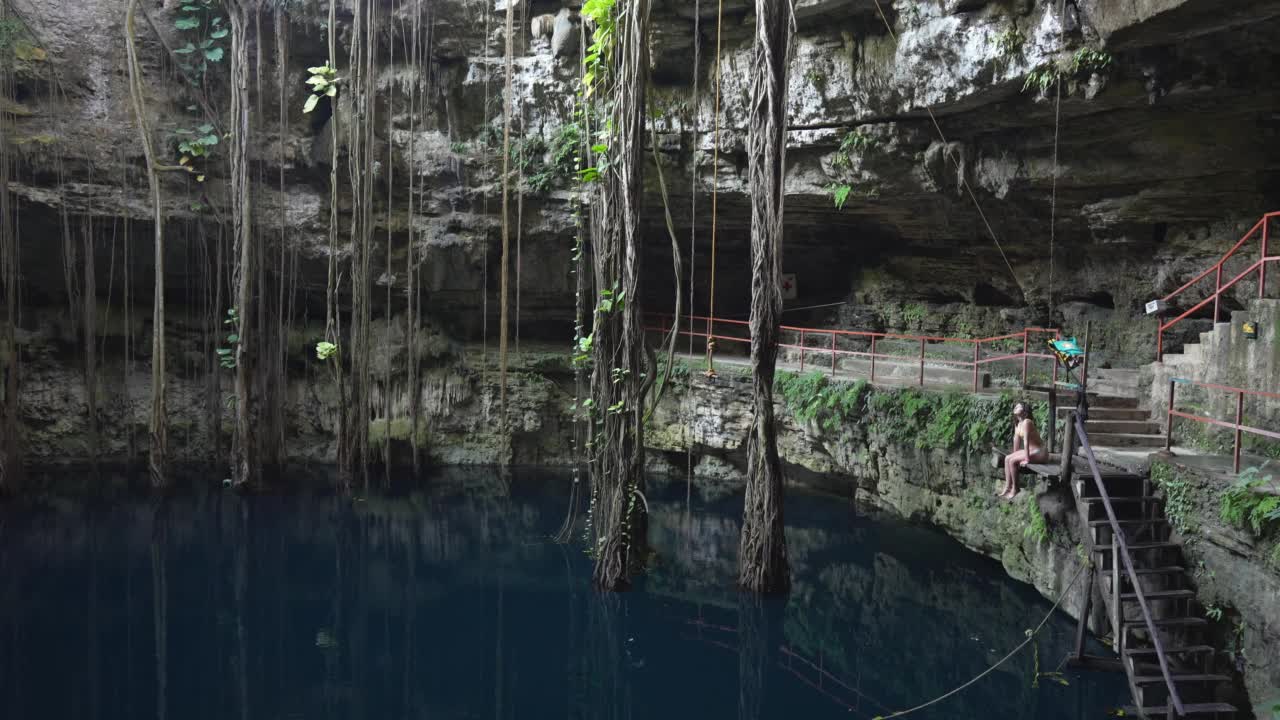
(1028, 447)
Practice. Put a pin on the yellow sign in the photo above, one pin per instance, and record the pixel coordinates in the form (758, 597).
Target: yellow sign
(1251, 330)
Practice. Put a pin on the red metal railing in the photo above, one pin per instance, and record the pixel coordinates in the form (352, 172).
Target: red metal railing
(1260, 230)
(1238, 426)
(719, 329)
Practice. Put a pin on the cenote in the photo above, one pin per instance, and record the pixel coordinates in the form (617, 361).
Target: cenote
(452, 600)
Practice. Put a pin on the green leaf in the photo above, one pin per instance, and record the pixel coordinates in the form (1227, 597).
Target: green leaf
(311, 103)
(187, 23)
(331, 91)
(219, 33)
(214, 54)
(208, 140)
(317, 80)
(186, 50)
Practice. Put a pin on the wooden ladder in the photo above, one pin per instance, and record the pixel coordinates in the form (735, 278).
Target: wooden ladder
(1157, 625)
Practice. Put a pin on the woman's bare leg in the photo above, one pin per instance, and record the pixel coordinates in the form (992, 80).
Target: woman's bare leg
(1012, 464)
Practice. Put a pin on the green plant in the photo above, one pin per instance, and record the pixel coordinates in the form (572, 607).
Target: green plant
(1085, 60)
(227, 355)
(324, 83)
(1042, 78)
(202, 23)
(195, 143)
(1009, 43)
(1244, 507)
(325, 350)
(1090, 60)
(1214, 612)
(1179, 501)
(913, 315)
(839, 194)
(1037, 529)
(814, 397)
(600, 13)
(816, 78)
(854, 141)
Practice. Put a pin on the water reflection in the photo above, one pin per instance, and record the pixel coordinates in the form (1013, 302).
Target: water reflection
(452, 603)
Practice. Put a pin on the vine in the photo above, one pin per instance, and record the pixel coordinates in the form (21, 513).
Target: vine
(202, 23)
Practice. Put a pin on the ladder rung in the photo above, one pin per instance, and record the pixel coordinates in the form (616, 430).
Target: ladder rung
(1161, 595)
(1187, 650)
(1138, 546)
(1197, 678)
(1197, 709)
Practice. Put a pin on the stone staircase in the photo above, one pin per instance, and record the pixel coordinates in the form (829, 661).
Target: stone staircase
(1166, 586)
(1116, 417)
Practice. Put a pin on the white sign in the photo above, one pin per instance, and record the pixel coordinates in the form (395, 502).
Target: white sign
(789, 291)
(1156, 306)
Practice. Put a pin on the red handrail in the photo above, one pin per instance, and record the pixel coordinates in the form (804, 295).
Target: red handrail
(1260, 267)
(1238, 426)
(664, 325)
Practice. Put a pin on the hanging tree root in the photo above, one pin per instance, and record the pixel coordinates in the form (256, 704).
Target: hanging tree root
(762, 550)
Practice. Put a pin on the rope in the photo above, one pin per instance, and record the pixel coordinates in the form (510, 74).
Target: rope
(1031, 635)
(693, 228)
(1053, 193)
(963, 182)
(715, 196)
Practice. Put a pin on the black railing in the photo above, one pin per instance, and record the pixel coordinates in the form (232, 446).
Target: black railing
(1120, 551)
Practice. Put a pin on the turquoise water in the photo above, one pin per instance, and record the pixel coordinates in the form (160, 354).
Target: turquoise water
(452, 602)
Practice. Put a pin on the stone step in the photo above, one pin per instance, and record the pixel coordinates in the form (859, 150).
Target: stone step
(1113, 401)
(1105, 413)
(1137, 440)
(1121, 427)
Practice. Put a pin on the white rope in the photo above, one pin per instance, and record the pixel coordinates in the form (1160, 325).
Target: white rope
(1031, 635)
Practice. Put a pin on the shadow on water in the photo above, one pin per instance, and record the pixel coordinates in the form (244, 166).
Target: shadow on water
(450, 601)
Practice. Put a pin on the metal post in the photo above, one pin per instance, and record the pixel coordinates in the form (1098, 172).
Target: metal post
(1239, 422)
(873, 358)
(1053, 420)
(921, 362)
(833, 354)
(1025, 346)
(1217, 292)
(802, 350)
(1262, 270)
(1115, 585)
(1160, 344)
(1168, 421)
(977, 344)
(1083, 626)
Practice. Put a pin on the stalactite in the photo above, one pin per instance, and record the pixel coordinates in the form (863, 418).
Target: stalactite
(503, 306)
(332, 322)
(288, 268)
(11, 469)
(411, 271)
(89, 335)
(158, 426)
(359, 146)
(762, 550)
(245, 460)
(387, 395)
(620, 378)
